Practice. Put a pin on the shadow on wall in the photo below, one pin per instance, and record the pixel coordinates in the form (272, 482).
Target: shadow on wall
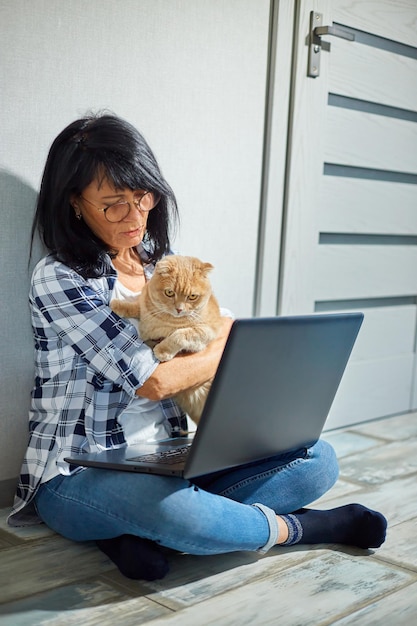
(18, 201)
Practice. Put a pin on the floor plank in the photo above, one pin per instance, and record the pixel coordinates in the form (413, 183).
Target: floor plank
(223, 574)
(18, 534)
(398, 428)
(381, 464)
(398, 609)
(47, 564)
(401, 545)
(324, 588)
(346, 442)
(88, 604)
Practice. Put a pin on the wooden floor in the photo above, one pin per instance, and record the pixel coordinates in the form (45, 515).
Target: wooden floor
(47, 580)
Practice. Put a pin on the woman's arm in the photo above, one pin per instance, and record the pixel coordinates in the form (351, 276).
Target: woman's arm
(186, 370)
(70, 313)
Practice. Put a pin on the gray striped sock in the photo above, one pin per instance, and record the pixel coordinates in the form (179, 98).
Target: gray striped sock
(295, 530)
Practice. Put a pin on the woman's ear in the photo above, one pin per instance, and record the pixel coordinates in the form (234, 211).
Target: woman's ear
(74, 201)
(75, 205)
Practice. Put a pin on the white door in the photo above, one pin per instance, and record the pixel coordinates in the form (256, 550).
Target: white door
(350, 228)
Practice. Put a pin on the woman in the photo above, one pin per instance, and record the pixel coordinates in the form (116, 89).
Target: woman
(104, 213)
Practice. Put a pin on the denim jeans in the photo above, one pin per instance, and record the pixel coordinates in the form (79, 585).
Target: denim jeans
(225, 512)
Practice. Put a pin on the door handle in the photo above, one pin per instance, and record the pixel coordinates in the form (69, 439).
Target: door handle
(315, 43)
(334, 30)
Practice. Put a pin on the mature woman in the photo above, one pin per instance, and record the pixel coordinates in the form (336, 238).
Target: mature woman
(104, 213)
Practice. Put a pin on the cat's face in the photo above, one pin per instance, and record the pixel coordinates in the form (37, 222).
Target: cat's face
(180, 285)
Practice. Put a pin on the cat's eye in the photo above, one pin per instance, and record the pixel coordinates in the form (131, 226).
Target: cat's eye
(193, 296)
(169, 293)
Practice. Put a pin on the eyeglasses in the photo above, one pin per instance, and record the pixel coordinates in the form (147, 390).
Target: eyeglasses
(117, 212)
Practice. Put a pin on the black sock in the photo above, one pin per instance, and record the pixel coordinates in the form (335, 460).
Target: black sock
(352, 525)
(135, 557)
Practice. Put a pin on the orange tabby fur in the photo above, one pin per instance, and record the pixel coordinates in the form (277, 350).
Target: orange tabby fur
(177, 312)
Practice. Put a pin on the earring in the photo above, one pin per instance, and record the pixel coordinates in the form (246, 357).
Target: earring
(78, 216)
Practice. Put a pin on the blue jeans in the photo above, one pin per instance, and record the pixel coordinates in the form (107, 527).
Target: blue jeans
(225, 512)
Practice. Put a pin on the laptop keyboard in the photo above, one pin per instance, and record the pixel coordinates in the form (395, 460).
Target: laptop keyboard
(168, 457)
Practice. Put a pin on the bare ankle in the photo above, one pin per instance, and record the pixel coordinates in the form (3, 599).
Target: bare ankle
(282, 530)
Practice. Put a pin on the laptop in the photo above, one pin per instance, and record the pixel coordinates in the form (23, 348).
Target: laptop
(272, 393)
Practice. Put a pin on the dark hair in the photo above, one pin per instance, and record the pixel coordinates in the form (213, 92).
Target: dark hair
(107, 146)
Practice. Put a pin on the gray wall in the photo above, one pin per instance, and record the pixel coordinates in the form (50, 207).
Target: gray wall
(191, 74)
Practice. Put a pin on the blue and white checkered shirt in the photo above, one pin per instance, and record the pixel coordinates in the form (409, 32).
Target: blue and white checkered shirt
(88, 365)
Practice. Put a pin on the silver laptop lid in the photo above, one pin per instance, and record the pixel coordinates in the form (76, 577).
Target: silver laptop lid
(273, 389)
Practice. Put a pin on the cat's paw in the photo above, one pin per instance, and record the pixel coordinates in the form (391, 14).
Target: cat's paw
(162, 354)
(116, 306)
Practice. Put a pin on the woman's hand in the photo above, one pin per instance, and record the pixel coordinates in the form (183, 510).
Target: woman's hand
(186, 370)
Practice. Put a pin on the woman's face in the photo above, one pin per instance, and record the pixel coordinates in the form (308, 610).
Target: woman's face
(99, 194)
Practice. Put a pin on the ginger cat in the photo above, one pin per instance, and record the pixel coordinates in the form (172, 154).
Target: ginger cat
(177, 312)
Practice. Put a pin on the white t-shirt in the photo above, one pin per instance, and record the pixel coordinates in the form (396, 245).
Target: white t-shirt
(143, 419)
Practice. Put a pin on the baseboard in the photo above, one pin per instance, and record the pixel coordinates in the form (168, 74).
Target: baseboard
(7, 491)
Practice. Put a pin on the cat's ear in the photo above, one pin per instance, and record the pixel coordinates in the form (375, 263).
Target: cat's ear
(206, 268)
(163, 267)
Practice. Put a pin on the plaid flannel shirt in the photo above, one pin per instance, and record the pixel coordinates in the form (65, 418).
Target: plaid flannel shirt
(88, 364)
